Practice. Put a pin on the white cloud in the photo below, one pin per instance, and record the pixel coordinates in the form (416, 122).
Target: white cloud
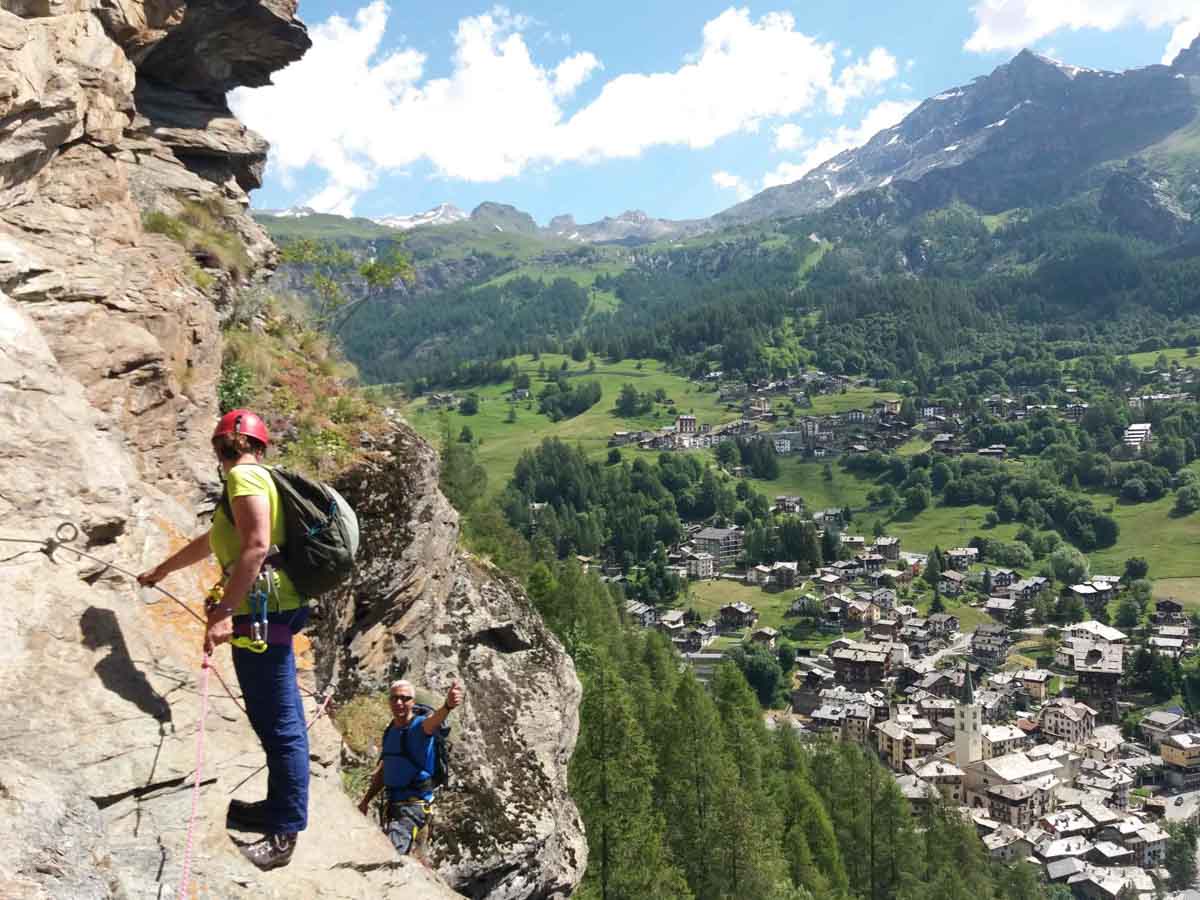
(881, 116)
(789, 136)
(862, 78)
(733, 183)
(355, 111)
(572, 72)
(1013, 24)
(1181, 38)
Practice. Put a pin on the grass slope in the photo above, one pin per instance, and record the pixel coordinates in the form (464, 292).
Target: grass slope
(501, 443)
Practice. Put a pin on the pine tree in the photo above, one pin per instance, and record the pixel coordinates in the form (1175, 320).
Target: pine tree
(936, 605)
(933, 567)
(612, 776)
(691, 768)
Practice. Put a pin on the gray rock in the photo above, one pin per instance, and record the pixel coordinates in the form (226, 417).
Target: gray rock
(421, 609)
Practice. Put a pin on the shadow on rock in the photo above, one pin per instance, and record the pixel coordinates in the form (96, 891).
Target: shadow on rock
(117, 672)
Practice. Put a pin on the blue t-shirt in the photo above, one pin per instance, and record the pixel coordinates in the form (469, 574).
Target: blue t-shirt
(409, 758)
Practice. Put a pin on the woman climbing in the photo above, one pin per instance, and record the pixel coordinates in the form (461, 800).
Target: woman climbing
(258, 611)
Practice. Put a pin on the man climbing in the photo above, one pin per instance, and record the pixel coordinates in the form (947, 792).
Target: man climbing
(407, 766)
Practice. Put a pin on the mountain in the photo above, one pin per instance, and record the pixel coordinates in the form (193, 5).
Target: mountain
(503, 217)
(442, 214)
(630, 227)
(1034, 131)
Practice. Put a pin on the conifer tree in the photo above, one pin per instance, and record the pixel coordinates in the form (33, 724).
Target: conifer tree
(612, 775)
(693, 779)
(933, 567)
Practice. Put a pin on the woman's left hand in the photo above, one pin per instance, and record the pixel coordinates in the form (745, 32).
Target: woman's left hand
(217, 633)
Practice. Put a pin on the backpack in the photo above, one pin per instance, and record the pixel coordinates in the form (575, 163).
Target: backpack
(441, 752)
(321, 532)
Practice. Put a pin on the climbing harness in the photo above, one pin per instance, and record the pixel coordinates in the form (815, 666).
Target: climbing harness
(257, 641)
(191, 829)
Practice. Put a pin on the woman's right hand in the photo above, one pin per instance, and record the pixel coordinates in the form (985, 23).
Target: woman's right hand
(151, 576)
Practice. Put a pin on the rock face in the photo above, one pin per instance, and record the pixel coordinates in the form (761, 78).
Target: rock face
(423, 611)
(109, 356)
(1140, 202)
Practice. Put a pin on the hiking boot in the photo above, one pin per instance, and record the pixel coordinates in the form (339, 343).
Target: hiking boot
(271, 852)
(249, 816)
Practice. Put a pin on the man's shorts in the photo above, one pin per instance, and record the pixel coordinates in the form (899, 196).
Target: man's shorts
(408, 826)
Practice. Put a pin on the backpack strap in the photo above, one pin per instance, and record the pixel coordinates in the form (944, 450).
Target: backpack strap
(425, 784)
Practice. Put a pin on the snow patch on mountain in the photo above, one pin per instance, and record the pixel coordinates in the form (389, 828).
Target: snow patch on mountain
(442, 214)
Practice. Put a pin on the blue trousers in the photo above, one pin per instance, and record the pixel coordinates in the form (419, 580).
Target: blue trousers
(268, 682)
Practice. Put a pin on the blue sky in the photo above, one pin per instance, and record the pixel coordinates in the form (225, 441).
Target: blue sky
(677, 108)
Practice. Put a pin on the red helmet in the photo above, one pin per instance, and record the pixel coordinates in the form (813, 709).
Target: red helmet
(242, 421)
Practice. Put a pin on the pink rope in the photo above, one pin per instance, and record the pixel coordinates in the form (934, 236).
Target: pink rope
(217, 672)
(187, 852)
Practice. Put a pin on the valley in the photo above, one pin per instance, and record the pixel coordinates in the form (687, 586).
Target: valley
(910, 440)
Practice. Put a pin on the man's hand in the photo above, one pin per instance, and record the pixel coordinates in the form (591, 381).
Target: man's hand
(454, 698)
(364, 806)
(217, 633)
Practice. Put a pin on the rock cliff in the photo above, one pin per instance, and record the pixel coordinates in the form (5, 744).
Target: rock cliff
(111, 113)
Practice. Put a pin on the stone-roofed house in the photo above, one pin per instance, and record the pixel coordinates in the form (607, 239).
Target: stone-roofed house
(766, 636)
(735, 616)
(888, 547)
(1000, 740)
(1068, 720)
(1008, 844)
(723, 544)
(863, 663)
(1036, 682)
(1160, 724)
(943, 625)
(1181, 759)
(672, 622)
(961, 558)
(952, 583)
(640, 613)
(1017, 805)
(990, 644)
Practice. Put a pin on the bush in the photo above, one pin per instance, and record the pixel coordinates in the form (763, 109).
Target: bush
(236, 386)
(362, 721)
(200, 228)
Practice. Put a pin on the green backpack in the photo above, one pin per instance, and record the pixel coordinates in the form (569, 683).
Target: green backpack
(321, 532)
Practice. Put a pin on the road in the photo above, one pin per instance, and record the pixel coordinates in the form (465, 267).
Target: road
(956, 648)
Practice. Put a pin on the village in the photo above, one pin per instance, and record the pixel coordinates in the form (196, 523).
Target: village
(1030, 749)
(772, 411)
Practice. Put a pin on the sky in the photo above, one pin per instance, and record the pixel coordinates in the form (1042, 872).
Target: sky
(680, 108)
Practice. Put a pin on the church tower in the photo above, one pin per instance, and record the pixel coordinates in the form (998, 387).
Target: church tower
(968, 725)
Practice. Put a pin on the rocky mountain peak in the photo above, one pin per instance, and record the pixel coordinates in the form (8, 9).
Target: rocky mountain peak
(1022, 135)
(504, 217)
(1188, 60)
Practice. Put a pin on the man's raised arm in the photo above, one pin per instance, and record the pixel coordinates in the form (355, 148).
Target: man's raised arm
(433, 722)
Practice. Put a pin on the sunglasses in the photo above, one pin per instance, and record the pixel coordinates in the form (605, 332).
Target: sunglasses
(397, 698)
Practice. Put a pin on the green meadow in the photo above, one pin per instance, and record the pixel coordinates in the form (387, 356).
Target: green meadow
(1171, 545)
(501, 442)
